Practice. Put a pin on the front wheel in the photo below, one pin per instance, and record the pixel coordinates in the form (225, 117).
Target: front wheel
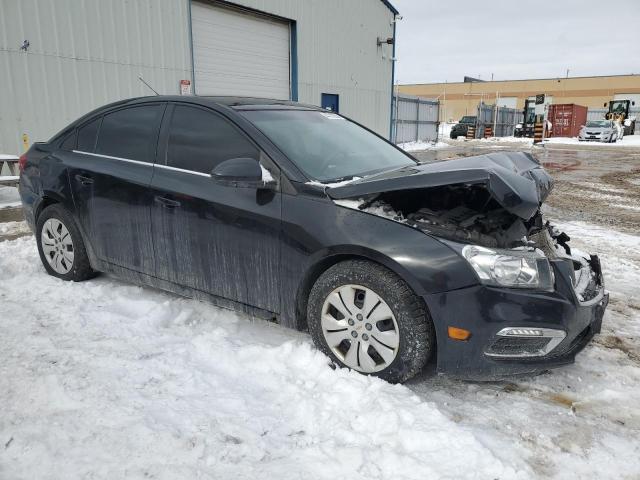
(60, 245)
(366, 318)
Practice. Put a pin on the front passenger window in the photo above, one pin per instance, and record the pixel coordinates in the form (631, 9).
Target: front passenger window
(200, 139)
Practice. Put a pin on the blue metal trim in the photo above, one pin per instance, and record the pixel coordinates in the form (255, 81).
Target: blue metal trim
(393, 79)
(391, 7)
(294, 60)
(193, 63)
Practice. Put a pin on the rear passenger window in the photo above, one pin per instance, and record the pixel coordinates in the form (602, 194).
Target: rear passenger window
(87, 136)
(131, 133)
(199, 140)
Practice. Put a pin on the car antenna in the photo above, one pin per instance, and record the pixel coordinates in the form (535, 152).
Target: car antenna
(142, 80)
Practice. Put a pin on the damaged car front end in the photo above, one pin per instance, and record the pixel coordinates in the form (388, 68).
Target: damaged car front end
(534, 301)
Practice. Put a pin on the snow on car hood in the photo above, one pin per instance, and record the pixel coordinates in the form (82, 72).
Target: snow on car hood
(515, 179)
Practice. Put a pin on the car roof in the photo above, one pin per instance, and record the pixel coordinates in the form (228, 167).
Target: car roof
(234, 102)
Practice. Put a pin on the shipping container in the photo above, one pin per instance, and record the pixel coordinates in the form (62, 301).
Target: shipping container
(566, 119)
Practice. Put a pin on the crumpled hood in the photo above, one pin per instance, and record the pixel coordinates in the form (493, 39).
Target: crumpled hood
(515, 179)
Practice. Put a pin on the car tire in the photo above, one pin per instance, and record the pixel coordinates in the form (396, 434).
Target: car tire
(60, 245)
(370, 330)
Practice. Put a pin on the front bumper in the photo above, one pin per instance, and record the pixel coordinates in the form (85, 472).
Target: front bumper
(485, 311)
(598, 138)
(458, 132)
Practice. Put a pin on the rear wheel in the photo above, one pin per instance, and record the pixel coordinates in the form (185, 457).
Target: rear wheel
(60, 245)
(366, 318)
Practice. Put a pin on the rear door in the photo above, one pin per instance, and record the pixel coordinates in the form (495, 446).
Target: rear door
(110, 174)
(222, 240)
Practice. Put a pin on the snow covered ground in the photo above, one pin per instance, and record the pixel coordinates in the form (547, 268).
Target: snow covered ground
(628, 141)
(103, 379)
(632, 141)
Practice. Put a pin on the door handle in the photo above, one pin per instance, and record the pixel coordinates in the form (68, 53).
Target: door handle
(84, 180)
(167, 202)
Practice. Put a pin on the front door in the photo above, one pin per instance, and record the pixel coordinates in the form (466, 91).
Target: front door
(110, 172)
(331, 101)
(222, 240)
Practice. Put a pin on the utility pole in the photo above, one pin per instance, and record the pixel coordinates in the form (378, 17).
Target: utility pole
(395, 129)
(495, 113)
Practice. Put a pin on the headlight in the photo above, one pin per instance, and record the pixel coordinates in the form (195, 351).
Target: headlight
(510, 268)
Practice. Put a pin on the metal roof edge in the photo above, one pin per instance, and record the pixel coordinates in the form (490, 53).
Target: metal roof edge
(523, 79)
(391, 7)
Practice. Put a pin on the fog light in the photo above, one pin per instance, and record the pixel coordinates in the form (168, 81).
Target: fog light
(514, 342)
(522, 332)
(458, 333)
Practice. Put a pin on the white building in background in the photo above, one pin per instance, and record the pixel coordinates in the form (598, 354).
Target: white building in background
(60, 59)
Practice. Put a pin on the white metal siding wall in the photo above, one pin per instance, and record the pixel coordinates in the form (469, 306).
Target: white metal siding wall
(236, 53)
(83, 54)
(338, 53)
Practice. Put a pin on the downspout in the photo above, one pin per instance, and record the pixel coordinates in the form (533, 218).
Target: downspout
(193, 63)
(293, 53)
(393, 77)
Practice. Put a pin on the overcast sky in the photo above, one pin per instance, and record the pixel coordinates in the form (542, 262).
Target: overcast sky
(444, 40)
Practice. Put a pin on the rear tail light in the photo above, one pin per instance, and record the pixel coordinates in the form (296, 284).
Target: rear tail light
(22, 162)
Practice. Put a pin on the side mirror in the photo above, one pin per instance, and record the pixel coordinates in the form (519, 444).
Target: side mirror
(242, 172)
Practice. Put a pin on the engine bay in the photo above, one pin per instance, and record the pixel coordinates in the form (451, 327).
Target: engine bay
(469, 214)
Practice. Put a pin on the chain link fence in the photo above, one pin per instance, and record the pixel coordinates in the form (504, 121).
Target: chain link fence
(599, 113)
(415, 119)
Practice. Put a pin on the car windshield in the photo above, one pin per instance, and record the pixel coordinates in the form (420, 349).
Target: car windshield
(468, 119)
(326, 146)
(598, 123)
(619, 106)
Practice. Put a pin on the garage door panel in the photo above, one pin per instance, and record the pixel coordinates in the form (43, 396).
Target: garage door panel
(237, 53)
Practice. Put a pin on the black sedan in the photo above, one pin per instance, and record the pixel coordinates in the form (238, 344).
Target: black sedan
(301, 216)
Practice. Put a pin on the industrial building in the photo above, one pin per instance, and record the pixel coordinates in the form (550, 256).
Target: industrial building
(61, 59)
(462, 98)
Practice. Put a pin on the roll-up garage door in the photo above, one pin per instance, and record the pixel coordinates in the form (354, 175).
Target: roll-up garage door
(239, 53)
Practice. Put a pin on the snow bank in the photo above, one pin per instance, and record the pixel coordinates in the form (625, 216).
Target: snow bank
(106, 380)
(511, 139)
(14, 228)
(420, 145)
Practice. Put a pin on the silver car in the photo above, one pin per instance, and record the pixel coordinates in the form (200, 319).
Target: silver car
(599, 131)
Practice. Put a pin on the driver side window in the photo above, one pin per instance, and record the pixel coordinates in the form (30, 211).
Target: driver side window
(200, 139)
